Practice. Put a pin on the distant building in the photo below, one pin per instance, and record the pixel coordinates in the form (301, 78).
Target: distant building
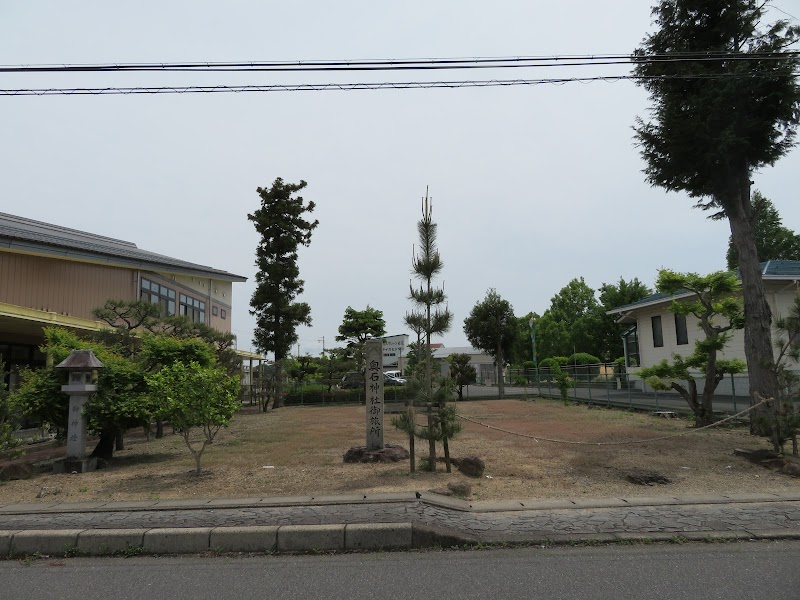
(655, 333)
(52, 275)
(393, 348)
(483, 363)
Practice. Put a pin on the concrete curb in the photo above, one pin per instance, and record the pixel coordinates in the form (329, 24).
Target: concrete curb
(316, 538)
(429, 498)
(198, 540)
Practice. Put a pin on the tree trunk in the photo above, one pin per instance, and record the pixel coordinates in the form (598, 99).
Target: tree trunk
(119, 440)
(500, 381)
(447, 465)
(105, 446)
(159, 429)
(411, 452)
(277, 402)
(431, 440)
(757, 314)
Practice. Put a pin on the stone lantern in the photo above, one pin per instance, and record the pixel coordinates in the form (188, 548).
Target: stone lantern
(80, 365)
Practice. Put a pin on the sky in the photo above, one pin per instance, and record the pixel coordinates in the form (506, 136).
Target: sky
(531, 185)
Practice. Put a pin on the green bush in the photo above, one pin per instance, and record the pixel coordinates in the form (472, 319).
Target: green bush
(548, 363)
(580, 362)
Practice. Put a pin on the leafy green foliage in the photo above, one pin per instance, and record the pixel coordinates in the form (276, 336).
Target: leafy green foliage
(303, 367)
(784, 419)
(280, 223)
(160, 350)
(614, 295)
(360, 325)
(8, 442)
(715, 305)
(773, 240)
(126, 318)
(571, 322)
(522, 348)
(492, 327)
(191, 397)
(122, 400)
(462, 372)
(357, 327)
(563, 381)
(333, 364)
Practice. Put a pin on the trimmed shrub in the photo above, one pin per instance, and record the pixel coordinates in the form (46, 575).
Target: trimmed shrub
(579, 364)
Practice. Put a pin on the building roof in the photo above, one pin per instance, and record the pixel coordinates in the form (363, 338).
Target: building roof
(771, 270)
(26, 235)
(445, 352)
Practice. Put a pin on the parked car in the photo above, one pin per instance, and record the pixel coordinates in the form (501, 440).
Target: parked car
(352, 380)
(391, 380)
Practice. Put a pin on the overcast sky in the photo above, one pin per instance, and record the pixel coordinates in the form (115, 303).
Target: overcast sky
(531, 185)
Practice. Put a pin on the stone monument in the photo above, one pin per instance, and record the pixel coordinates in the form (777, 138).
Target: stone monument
(373, 354)
(79, 365)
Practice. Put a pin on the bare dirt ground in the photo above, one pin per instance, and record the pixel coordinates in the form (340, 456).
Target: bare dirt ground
(298, 451)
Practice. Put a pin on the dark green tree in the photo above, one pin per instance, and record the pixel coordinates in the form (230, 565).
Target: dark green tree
(283, 229)
(357, 327)
(729, 107)
(492, 327)
(571, 323)
(613, 295)
(462, 372)
(522, 349)
(718, 311)
(333, 364)
(773, 240)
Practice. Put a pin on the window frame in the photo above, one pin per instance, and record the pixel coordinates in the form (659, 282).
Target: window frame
(657, 331)
(681, 331)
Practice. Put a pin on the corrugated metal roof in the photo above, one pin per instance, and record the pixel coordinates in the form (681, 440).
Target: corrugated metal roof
(27, 235)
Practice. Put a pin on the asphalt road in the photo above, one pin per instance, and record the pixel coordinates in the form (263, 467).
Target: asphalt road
(729, 571)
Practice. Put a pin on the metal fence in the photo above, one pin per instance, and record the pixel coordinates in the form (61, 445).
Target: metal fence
(605, 385)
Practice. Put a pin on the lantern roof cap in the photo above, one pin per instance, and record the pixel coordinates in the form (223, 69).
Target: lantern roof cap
(80, 359)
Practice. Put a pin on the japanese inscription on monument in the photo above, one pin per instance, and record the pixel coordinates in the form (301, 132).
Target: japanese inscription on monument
(373, 353)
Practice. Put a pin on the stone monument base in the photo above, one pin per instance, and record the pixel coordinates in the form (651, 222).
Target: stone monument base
(75, 465)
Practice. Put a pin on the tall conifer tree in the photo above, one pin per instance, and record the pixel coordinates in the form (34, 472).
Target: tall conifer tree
(432, 316)
(726, 102)
(280, 222)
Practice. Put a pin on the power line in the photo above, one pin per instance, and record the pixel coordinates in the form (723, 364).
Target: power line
(106, 91)
(406, 64)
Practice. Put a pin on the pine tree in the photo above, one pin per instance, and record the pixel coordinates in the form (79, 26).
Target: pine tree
(434, 319)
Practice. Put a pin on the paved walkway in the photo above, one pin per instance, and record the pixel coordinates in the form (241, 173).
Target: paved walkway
(742, 515)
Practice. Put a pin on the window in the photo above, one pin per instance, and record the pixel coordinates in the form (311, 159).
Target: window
(214, 311)
(158, 294)
(680, 330)
(223, 313)
(192, 308)
(658, 337)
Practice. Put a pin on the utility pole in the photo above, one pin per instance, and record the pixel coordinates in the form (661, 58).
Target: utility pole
(322, 339)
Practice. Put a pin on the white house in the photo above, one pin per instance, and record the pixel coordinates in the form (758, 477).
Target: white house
(656, 333)
(483, 363)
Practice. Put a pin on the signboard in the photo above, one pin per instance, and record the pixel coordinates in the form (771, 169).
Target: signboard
(373, 353)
